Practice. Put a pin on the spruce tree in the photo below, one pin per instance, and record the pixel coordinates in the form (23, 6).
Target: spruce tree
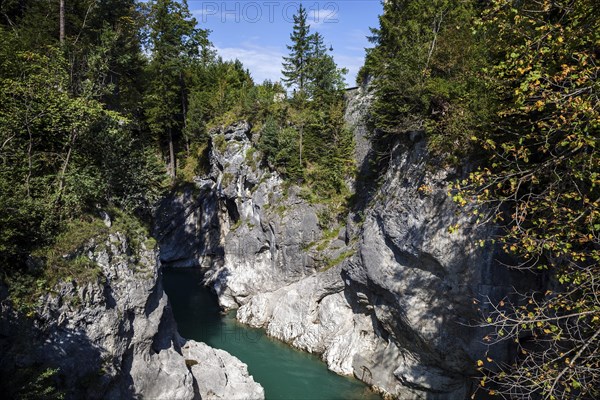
(325, 79)
(295, 67)
(426, 73)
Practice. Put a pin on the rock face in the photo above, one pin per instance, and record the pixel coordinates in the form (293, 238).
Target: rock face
(115, 337)
(387, 298)
(254, 230)
(189, 227)
(219, 375)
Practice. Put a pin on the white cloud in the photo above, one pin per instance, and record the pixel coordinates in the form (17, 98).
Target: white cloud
(264, 62)
(323, 16)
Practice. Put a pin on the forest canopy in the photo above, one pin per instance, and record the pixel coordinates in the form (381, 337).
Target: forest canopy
(108, 104)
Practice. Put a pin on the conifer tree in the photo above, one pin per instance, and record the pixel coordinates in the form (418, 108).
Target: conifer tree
(425, 67)
(325, 79)
(295, 67)
(175, 43)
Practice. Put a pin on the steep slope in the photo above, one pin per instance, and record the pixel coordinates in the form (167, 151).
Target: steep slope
(388, 298)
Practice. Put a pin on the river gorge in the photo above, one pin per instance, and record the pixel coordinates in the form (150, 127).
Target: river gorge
(251, 266)
(283, 372)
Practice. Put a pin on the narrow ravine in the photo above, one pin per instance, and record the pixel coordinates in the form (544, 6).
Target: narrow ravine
(285, 373)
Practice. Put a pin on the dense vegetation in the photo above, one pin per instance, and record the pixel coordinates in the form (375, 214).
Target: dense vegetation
(63, 99)
(105, 105)
(518, 81)
(306, 140)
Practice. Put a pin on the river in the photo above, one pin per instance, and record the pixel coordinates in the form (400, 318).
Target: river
(284, 372)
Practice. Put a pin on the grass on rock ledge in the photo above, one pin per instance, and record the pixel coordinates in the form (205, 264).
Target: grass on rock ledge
(64, 259)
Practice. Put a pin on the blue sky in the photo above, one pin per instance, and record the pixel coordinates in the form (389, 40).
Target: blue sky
(256, 32)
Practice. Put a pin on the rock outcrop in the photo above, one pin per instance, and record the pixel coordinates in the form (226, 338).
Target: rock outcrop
(218, 374)
(388, 298)
(254, 230)
(114, 336)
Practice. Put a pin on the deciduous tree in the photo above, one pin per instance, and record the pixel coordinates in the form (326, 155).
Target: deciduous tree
(541, 184)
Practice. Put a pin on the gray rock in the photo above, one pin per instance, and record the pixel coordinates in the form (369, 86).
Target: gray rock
(396, 312)
(239, 223)
(313, 314)
(219, 375)
(187, 227)
(419, 270)
(112, 337)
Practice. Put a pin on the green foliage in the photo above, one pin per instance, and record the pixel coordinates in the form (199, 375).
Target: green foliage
(325, 81)
(67, 147)
(309, 68)
(328, 236)
(61, 260)
(286, 159)
(176, 46)
(64, 259)
(268, 142)
(221, 93)
(91, 121)
(220, 143)
(249, 158)
(426, 73)
(50, 166)
(518, 79)
(295, 67)
(330, 263)
(197, 163)
(227, 179)
(36, 383)
(136, 231)
(540, 183)
(265, 101)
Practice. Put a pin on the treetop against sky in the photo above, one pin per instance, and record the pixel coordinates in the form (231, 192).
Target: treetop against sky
(256, 32)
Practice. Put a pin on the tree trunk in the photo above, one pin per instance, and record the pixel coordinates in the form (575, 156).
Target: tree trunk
(61, 22)
(171, 155)
(301, 134)
(437, 25)
(63, 170)
(29, 159)
(184, 110)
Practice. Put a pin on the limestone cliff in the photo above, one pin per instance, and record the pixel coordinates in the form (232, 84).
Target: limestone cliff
(241, 223)
(389, 297)
(114, 337)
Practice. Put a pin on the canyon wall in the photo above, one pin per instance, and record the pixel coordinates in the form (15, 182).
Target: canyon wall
(390, 295)
(113, 336)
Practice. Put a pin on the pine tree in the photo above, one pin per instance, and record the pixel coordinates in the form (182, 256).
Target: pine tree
(324, 79)
(295, 67)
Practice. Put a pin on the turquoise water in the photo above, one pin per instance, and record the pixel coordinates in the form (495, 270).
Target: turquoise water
(285, 373)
